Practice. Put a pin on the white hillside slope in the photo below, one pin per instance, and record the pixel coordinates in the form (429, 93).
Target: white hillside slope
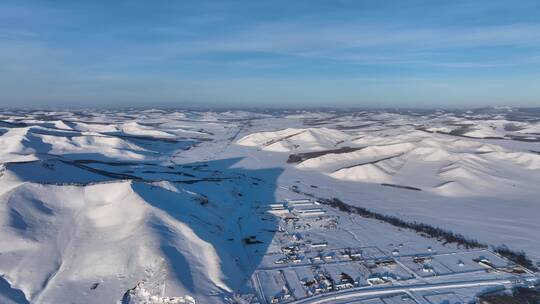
(455, 167)
(291, 139)
(23, 144)
(75, 237)
(378, 171)
(134, 128)
(16, 145)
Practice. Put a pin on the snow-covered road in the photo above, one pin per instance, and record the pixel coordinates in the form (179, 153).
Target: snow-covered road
(361, 292)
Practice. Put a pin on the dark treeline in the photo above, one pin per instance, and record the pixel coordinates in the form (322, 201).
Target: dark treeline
(300, 157)
(519, 295)
(518, 257)
(445, 236)
(427, 230)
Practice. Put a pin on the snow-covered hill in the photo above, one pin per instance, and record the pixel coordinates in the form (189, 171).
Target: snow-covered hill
(109, 234)
(445, 165)
(155, 206)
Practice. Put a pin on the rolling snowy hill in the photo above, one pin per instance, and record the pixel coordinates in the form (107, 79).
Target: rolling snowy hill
(154, 206)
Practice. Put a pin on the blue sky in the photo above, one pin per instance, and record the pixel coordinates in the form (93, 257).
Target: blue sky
(270, 53)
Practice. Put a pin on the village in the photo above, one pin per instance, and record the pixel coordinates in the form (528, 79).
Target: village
(316, 251)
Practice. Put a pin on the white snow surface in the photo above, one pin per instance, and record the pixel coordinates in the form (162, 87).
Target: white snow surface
(101, 207)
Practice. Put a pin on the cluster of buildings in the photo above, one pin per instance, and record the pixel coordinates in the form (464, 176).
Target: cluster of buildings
(321, 282)
(291, 254)
(305, 260)
(296, 208)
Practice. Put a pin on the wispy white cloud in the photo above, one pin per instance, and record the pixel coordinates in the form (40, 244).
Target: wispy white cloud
(65, 52)
(348, 42)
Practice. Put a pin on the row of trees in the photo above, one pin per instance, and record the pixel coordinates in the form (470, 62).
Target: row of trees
(445, 236)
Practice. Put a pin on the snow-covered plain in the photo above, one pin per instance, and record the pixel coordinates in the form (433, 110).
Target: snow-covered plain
(163, 206)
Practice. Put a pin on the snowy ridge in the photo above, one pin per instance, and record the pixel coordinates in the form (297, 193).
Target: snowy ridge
(294, 139)
(56, 234)
(474, 165)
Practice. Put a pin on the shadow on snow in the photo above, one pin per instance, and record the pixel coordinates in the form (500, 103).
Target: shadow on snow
(228, 214)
